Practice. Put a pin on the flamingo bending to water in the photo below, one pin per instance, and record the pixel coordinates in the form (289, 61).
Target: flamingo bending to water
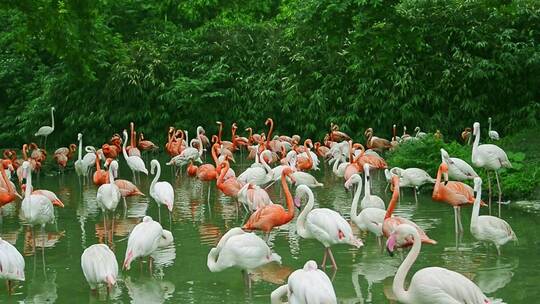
(305, 286)
(99, 266)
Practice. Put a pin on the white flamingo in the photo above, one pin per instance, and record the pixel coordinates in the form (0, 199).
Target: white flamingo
(46, 130)
(305, 286)
(135, 163)
(323, 224)
(240, 249)
(370, 201)
(487, 228)
(491, 158)
(189, 153)
(253, 197)
(304, 178)
(108, 195)
(12, 263)
(36, 209)
(258, 175)
(144, 239)
(80, 167)
(161, 192)
(99, 266)
(458, 169)
(419, 134)
(413, 178)
(431, 285)
(369, 219)
(494, 135)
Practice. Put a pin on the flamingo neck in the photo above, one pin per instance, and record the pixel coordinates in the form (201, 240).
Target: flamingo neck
(269, 137)
(132, 136)
(199, 137)
(336, 164)
(52, 118)
(288, 196)
(219, 133)
(28, 190)
(476, 209)
(156, 177)
(124, 144)
(221, 177)
(280, 292)
(399, 280)
(393, 201)
(475, 145)
(9, 186)
(25, 151)
(79, 157)
(98, 162)
(301, 221)
(367, 188)
(214, 153)
(437, 185)
(356, 198)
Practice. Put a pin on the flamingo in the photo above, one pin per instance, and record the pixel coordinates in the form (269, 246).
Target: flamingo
(46, 130)
(336, 135)
(419, 134)
(144, 239)
(36, 209)
(274, 215)
(50, 195)
(62, 155)
(458, 169)
(487, 228)
(207, 172)
(257, 175)
(81, 167)
(305, 286)
(189, 153)
(230, 186)
(7, 194)
(132, 149)
(392, 222)
(253, 197)
(161, 192)
(370, 201)
(466, 135)
(101, 176)
(494, 135)
(304, 178)
(99, 266)
(369, 219)
(12, 264)
(240, 249)
(127, 189)
(376, 143)
(108, 195)
(491, 158)
(146, 145)
(323, 224)
(135, 163)
(413, 177)
(446, 193)
(431, 285)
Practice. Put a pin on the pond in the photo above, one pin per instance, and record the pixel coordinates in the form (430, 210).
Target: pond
(180, 274)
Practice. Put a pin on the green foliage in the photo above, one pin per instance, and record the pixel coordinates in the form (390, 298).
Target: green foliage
(520, 182)
(359, 63)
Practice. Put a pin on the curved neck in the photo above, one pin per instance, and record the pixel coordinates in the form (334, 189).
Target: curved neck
(156, 177)
(399, 280)
(124, 144)
(476, 209)
(80, 150)
(288, 196)
(356, 198)
(52, 118)
(214, 153)
(301, 221)
(393, 201)
(9, 186)
(336, 164)
(265, 165)
(25, 152)
(475, 144)
(132, 136)
(437, 185)
(221, 176)
(269, 137)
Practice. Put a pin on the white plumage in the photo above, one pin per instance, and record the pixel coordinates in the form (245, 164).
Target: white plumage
(11, 262)
(369, 219)
(46, 130)
(370, 201)
(36, 209)
(108, 195)
(494, 135)
(99, 266)
(143, 240)
(253, 197)
(458, 169)
(304, 178)
(308, 285)
(258, 175)
(135, 163)
(161, 192)
(487, 228)
(240, 249)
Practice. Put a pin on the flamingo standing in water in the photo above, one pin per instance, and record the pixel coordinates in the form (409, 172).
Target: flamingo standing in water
(274, 215)
(392, 222)
(240, 249)
(144, 239)
(369, 219)
(230, 186)
(135, 163)
(12, 264)
(127, 189)
(36, 209)
(488, 228)
(370, 201)
(7, 194)
(431, 285)
(46, 130)
(161, 192)
(99, 266)
(305, 286)
(108, 196)
(413, 177)
(253, 197)
(458, 169)
(323, 224)
(81, 167)
(491, 158)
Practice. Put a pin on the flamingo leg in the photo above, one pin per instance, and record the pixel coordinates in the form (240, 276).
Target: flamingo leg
(456, 220)
(112, 229)
(334, 265)
(459, 220)
(159, 212)
(43, 249)
(170, 220)
(415, 196)
(8, 284)
(489, 190)
(498, 249)
(500, 193)
(105, 226)
(323, 264)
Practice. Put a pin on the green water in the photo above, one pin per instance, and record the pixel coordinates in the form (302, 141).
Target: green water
(180, 274)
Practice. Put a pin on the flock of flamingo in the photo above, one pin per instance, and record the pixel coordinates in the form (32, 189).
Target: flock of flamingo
(277, 159)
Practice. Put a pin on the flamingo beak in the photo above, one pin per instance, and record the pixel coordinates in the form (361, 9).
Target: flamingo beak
(58, 203)
(391, 244)
(297, 202)
(445, 174)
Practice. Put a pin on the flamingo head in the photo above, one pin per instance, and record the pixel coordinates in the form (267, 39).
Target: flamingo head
(403, 234)
(269, 121)
(477, 184)
(476, 129)
(354, 179)
(79, 136)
